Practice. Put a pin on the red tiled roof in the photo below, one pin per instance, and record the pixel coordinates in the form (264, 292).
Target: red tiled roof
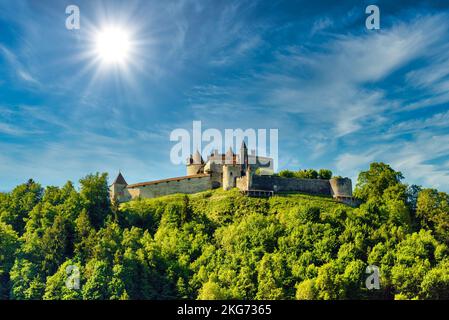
(141, 184)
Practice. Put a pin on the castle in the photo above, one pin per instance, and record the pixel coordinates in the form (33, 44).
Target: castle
(251, 174)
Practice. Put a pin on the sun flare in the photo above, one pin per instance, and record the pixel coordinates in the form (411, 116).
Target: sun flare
(113, 45)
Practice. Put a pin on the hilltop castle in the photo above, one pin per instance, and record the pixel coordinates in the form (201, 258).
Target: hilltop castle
(251, 174)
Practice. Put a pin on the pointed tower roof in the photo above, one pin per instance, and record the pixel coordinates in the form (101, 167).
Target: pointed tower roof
(243, 145)
(230, 154)
(120, 179)
(197, 159)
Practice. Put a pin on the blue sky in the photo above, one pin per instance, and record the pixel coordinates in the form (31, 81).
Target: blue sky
(341, 96)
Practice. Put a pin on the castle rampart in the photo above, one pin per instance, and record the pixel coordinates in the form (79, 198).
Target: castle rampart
(281, 184)
(187, 184)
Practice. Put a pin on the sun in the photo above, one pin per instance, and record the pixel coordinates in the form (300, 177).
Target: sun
(113, 45)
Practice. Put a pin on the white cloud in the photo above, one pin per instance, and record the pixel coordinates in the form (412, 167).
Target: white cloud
(329, 85)
(26, 76)
(321, 24)
(11, 130)
(416, 125)
(17, 66)
(349, 162)
(414, 158)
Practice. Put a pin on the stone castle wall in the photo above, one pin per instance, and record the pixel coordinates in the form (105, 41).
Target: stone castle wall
(280, 184)
(242, 183)
(339, 188)
(186, 185)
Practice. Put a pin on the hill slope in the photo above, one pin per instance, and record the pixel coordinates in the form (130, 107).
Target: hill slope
(225, 245)
(216, 245)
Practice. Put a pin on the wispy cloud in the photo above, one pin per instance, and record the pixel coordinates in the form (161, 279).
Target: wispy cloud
(414, 158)
(11, 130)
(17, 67)
(321, 24)
(417, 125)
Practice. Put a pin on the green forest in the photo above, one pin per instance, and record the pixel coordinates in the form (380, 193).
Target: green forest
(223, 245)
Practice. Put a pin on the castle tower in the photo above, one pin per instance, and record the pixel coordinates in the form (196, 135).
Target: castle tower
(231, 170)
(249, 178)
(118, 188)
(195, 164)
(229, 157)
(341, 187)
(230, 174)
(244, 157)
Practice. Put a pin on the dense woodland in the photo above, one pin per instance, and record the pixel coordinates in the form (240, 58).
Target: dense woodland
(222, 245)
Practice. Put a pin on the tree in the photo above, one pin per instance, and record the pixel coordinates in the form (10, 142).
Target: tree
(85, 238)
(414, 258)
(212, 291)
(116, 286)
(56, 245)
(286, 174)
(371, 184)
(19, 203)
(412, 196)
(325, 174)
(9, 241)
(435, 284)
(329, 282)
(433, 211)
(306, 174)
(98, 275)
(56, 287)
(271, 277)
(108, 242)
(306, 290)
(353, 279)
(95, 193)
(26, 282)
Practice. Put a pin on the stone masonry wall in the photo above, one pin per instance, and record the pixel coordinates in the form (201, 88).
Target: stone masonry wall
(341, 187)
(279, 184)
(242, 183)
(188, 185)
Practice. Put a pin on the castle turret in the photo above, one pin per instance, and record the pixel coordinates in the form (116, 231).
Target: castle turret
(230, 174)
(229, 157)
(118, 190)
(231, 170)
(195, 164)
(341, 187)
(243, 157)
